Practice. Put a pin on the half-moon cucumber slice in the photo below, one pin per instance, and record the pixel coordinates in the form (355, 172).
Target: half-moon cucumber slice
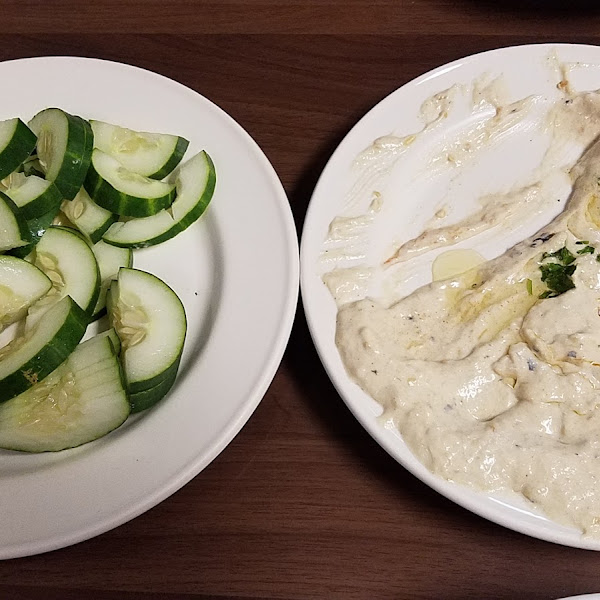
(195, 181)
(69, 262)
(124, 192)
(153, 155)
(64, 148)
(150, 321)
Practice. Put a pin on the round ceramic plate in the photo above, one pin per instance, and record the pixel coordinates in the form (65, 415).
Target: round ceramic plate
(236, 271)
(420, 190)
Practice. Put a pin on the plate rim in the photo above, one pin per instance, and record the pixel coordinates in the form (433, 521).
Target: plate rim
(460, 495)
(262, 378)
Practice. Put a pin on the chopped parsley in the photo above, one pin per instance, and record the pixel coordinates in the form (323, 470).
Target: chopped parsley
(558, 275)
(530, 287)
(564, 255)
(558, 279)
(587, 250)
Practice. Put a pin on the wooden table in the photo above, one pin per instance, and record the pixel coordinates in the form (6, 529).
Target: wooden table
(303, 504)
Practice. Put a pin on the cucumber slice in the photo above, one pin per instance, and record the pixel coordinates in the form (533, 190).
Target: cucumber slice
(153, 155)
(13, 227)
(37, 227)
(33, 195)
(16, 143)
(123, 192)
(21, 284)
(145, 399)
(92, 220)
(81, 401)
(150, 321)
(195, 180)
(66, 258)
(110, 259)
(64, 148)
(29, 358)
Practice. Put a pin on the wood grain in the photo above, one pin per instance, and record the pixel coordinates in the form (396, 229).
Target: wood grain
(303, 504)
(442, 17)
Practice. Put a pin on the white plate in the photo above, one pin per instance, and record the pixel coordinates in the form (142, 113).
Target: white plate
(236, 271)
(528, 70)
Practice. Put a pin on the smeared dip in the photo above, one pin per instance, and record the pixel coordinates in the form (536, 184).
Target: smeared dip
(493, 375)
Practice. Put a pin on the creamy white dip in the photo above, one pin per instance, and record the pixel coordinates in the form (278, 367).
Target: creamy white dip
(490, 385)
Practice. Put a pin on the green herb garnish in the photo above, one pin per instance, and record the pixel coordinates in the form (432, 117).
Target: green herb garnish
(564, 255)
(558, 279)
(587, 250)
(530, 287)
(581, 242)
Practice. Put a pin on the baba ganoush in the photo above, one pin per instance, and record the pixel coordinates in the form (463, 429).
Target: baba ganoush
(492, 376)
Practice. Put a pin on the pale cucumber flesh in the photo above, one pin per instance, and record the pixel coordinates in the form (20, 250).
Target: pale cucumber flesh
(110, 259)
(21, 284)
(153, 155)
(81, 401)
(14, 232)
(30, 357)
(151, 323)
(66, 258)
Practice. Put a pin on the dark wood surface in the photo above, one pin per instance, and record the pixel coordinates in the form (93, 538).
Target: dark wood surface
(303, 504)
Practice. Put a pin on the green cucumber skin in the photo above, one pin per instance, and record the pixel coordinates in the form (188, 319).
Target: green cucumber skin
(96, 235)
(76, 161)
(50, 356)
(21, 222)
(50, 200)
(145, 399)
(106, 196)
(184, 223)
(147, 384)
(37, 227)
(13, 156)
(174, 159)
